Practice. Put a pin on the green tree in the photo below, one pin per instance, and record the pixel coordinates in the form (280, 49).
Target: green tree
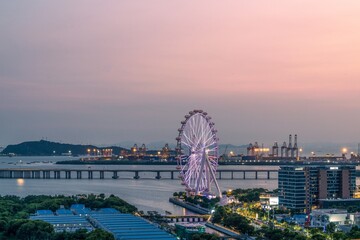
(2, 225)
(238, 222)
(273, 234)
(35, 230)
(300, 237)
(219, 214)
(331, 228)
(339, 236)
(204, 236)
(13, 225)
(354, 232)
(99, 234)
(318, 236)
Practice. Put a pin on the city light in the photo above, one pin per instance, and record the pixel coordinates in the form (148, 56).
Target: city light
(262, 149)
(20, 182)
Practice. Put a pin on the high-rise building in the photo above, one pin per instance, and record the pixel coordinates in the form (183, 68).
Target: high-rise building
(301, 186)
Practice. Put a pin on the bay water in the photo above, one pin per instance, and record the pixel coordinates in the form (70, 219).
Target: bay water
(146, 193)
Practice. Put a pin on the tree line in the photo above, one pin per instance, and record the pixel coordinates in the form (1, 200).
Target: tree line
(15, 212)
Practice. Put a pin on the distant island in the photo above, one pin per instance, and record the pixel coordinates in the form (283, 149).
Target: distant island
(47, 148)
(90, 153)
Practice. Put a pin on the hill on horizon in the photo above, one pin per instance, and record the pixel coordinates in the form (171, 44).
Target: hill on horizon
(48, 148)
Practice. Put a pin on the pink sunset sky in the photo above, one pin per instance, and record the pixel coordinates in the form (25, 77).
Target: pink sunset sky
(104, 72)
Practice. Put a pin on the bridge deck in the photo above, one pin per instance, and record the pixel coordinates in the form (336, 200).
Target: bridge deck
(78, 173)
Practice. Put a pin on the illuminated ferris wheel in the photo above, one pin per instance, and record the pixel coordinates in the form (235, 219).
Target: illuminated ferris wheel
(197, 148)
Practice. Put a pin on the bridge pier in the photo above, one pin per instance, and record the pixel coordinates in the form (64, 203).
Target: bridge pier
(136, 175)
(102, 174)
(232, 175)
(244, 177)
(35, 174)
(6, 174)
(56, 174)
(158, 175)
(256, 175)
(268, 175)
(27, 174)
(115, 175)
(90, 174)
(220, 175)
(68, 174)
(78, 174)
(46, 174)
(18, 174)
(172, 175)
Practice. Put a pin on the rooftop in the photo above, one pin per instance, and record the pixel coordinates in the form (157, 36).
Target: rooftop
(127, 226)
(63, 211)
(329, 211)
(44, 212)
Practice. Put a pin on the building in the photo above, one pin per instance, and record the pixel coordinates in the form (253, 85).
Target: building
(129, 227)
(322, 217)
(269, 199)
(73, 219)
(354, 219)
(339, 203)
(80, 209)
(186, 230)
(63, 211)
(301, 186)
(68, 223)
(44, 212)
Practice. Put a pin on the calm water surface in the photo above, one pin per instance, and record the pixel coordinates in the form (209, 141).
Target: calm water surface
(145, 194)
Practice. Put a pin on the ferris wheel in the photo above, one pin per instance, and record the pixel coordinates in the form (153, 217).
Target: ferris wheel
(197, 153)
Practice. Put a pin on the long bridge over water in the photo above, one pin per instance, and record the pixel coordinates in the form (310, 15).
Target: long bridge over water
(57, 173)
